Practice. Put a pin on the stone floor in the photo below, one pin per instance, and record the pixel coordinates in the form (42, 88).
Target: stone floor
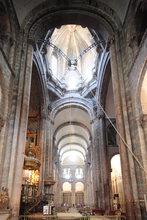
(72, 214)
(68, 216)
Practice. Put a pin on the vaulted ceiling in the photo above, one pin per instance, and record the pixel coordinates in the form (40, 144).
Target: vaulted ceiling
(72, 129)
(72, 133)
(23, 8)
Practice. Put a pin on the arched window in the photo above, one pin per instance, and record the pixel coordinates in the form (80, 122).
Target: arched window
(66, 187)
(66, 173)
(79, 187)
(54, 64)
(79, 173)
(116, 182)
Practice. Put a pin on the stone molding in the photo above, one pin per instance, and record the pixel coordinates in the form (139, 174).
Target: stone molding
(81, 103)
(142, 119)
(31, 162)
(31, 42)
(99, 114)
(48, 8)
(2, 122)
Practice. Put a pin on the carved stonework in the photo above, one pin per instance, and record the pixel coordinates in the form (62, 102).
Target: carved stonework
(111, 41)
(32, 42)
(4, 199)
(1, 122)
(100, 114)
(142, 120)
(31, 163)
(49, 182)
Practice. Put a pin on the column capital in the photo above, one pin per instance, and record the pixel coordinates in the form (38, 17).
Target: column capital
(32, 43)
(100, 114)
(111, 40)
(5, 38)
(44, 115)
(141, 119)
(47, 118)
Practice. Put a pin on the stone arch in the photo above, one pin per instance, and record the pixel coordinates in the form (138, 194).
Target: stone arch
(140, 20)
(141, 92)
(39, 72)
(116, 183)
(74, 103)
(72, 123)
(93, 14)
(105, 79)
(3, 99)
(70, 135)
(74, 149)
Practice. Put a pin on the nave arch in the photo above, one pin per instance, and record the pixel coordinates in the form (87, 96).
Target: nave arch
(35, 26)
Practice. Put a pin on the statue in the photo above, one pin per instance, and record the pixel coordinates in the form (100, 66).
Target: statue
(4, 199)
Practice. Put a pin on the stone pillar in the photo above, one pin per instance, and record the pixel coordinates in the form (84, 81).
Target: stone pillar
(48, 171)
(73, 193)
(101, 176)
(58, 199)
(96, 167)
(103, 162)
(19, 132)
(42, 147)
(128, 191)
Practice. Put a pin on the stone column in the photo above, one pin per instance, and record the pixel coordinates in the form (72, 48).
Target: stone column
(58, 199)
(103, 162)
(129, 200)
(42, 145)
(96, 167)
(48, 171)
(73, 193)
(19, 132)
(48, 147)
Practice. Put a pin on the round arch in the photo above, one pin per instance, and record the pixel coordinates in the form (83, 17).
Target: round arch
(72, 103)
(70, 135)
(79, 187)
(66, 187)
(116, 183)
(72, 123)
(141, 94)
(99, 16)
(64, 151)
